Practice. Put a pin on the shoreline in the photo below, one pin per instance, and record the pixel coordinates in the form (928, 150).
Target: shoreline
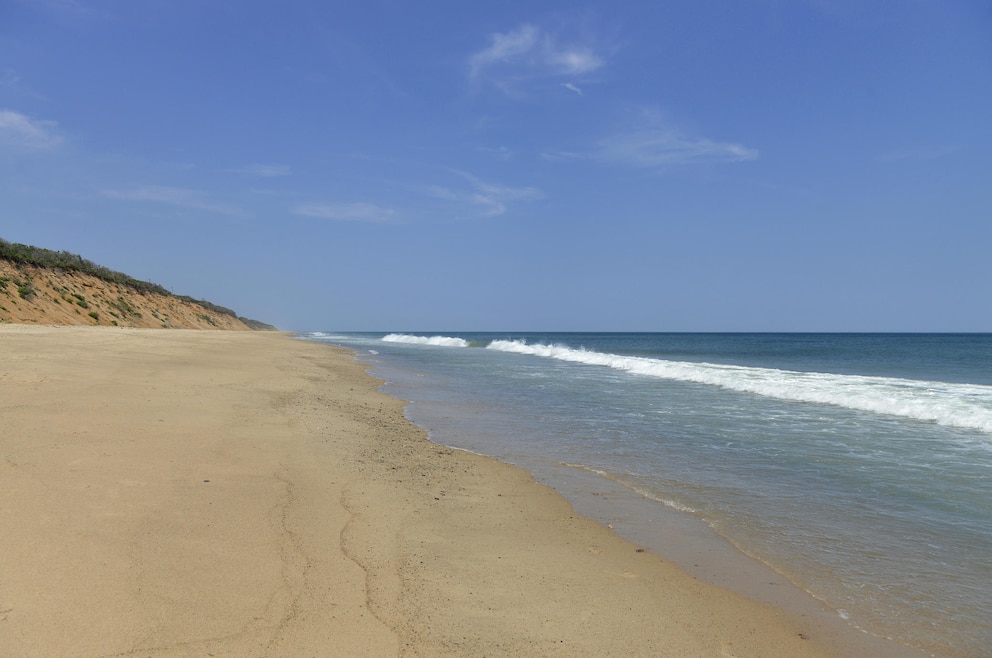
(703, 553)
(685, 540)
(169, 491)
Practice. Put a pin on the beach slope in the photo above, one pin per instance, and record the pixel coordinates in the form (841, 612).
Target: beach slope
(167, 493)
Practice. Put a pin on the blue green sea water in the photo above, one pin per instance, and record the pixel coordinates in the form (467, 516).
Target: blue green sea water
(858, 466)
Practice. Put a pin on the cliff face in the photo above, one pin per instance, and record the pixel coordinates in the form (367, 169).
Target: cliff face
(42, 295)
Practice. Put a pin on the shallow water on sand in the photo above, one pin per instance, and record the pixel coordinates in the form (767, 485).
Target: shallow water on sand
(858, 466)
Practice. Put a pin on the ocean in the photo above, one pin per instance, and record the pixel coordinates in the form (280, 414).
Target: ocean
(857, 466)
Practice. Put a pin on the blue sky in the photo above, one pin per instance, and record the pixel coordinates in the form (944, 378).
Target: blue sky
(736, 165)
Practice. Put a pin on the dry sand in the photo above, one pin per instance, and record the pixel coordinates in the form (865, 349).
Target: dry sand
(171, 492)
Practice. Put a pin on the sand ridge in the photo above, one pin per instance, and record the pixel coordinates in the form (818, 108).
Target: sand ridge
(44, 295)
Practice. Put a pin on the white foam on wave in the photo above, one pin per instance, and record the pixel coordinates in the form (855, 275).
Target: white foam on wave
(442, 341)
(322, 335)
(956, 405)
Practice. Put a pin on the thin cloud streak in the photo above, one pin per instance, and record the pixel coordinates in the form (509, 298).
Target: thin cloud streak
(348, 212)
(660, 148)
(500, 152)
(487, 199)
(20, 130)
(264, 170)
(172, 196)
(657, 149)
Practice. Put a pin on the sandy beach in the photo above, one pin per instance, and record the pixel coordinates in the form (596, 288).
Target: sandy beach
(174, 492)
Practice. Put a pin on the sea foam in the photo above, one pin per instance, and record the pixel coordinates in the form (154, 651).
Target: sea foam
(966, 406)
(956, 405)
(442, 341)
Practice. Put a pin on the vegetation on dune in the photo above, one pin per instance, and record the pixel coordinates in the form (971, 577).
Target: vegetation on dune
(64, 260)
(23, 253)
(257, 325)
(210, 306)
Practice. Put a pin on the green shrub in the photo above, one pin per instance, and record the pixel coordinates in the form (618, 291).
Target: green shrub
(124, 307)
(26, 290)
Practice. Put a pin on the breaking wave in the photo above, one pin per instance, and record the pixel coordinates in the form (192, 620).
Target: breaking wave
(442, 341)
(956, 405)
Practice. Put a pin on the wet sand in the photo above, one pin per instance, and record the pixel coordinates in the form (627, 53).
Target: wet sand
(173, 492)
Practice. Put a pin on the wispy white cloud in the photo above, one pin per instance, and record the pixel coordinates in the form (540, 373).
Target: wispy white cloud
(664, 148)
(21, 131)
(530, 52)
(571, 87)
(264, 170)
(173, 196)
(348, 212)
(483, 198)
(505, 48)
(652, 142)
(573, 61)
